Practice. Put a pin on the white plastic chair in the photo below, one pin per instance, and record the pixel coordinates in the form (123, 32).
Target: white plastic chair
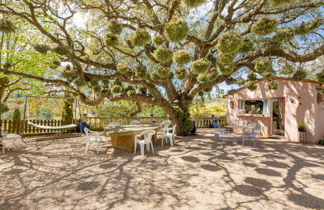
(222, 133)
(252, 135)
(135, 122)
(5, 137)
(91, 136)
(146, 141)
(169, 136)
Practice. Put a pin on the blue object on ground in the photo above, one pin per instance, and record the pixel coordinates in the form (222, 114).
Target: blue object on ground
(215, 124)
(82, 126)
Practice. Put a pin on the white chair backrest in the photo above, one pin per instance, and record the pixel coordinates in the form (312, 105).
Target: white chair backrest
(174, 130)
(166, 124)
(148, 135)
(86, 131)
(135, 122)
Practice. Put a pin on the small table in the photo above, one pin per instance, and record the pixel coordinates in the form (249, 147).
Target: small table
(123, 136)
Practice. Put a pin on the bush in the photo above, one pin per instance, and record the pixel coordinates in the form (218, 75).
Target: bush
(16, 115)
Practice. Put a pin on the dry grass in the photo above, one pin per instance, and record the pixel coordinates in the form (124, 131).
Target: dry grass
(200, 172)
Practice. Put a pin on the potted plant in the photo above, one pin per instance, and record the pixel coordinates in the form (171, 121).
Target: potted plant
(302, 127)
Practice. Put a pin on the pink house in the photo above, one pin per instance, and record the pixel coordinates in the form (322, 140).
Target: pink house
(280, 111)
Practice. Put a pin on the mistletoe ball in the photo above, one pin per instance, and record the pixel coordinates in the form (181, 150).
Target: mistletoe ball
(182, 57)
(176, 30)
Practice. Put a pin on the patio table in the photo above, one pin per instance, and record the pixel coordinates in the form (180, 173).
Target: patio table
(123, 136)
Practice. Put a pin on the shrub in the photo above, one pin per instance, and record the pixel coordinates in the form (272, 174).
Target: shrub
(177, 30)
(163, 55)
(265, 25)
(229, 43)
(200, 66)
(182, 57)
(114, 27)
(299, 75)
(140, 37)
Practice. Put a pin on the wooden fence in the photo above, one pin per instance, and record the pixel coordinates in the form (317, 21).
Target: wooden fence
(21, 126)
(95, 123)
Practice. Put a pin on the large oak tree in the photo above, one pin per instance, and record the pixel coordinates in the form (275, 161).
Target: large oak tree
(165, 52)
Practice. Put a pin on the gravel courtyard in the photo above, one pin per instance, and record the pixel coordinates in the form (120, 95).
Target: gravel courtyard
(199, 172)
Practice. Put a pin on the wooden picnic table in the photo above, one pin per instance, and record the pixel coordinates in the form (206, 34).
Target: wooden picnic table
(123, 136)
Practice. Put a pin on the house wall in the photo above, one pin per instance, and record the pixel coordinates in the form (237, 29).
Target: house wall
(300, 107)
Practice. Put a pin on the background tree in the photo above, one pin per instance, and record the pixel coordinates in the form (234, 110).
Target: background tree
(17, 114)
(67, 115)
(164, 53)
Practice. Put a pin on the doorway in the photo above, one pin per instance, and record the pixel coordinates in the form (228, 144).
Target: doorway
(277, 119)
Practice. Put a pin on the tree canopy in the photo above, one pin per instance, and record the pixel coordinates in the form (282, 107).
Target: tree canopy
(162, 52)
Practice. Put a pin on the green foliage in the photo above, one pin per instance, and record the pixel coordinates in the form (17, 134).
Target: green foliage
(265, 25)
(16, 115)
(229, 43)
(279, 2)
(251, 76)
(140, 37)
(193, 3)
(203, 78)
(80, 83)
(163, 55)
(6, 26)
(268, 75)
(131, 92)
(177, 30)
(309, 26)
(302, 126)
(273, 86)
(3, 108)
(287, 70)
(164, 73)
(42, 48)
(184, 124)
(299, 75)
(210, 57)
(200, 66)
(141, 72)
(263, 65)
(320, 77)
(115, 27)
(182, 57)
(116, 89)
(226, 58)
(61, 50)
(252, 87)
(181, 73)
(283, 36)
(158, 40)
(226, 69)
(67, 115)
(246, 46)
(206, 110)
(122, 68)
(112, 40)
(4, 81)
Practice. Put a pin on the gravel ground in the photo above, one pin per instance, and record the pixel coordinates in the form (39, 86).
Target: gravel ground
(199, 172)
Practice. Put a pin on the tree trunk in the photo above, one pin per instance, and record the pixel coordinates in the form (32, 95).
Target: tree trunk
(180, 116)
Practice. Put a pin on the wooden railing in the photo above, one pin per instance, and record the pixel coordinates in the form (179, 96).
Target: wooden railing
(95, 123)
(21, 126)
(98, 123)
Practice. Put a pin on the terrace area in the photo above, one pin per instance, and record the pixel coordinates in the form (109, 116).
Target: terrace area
(200, 171)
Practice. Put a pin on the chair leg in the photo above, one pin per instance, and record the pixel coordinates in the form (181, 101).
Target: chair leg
(255, 141)
(162, 140)
(148, 147)
(171, 141)
(152, 148)
(98, 147)
(87, 147)
(243, 141)
(135, 148)
(3, 145)
(142, 149)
